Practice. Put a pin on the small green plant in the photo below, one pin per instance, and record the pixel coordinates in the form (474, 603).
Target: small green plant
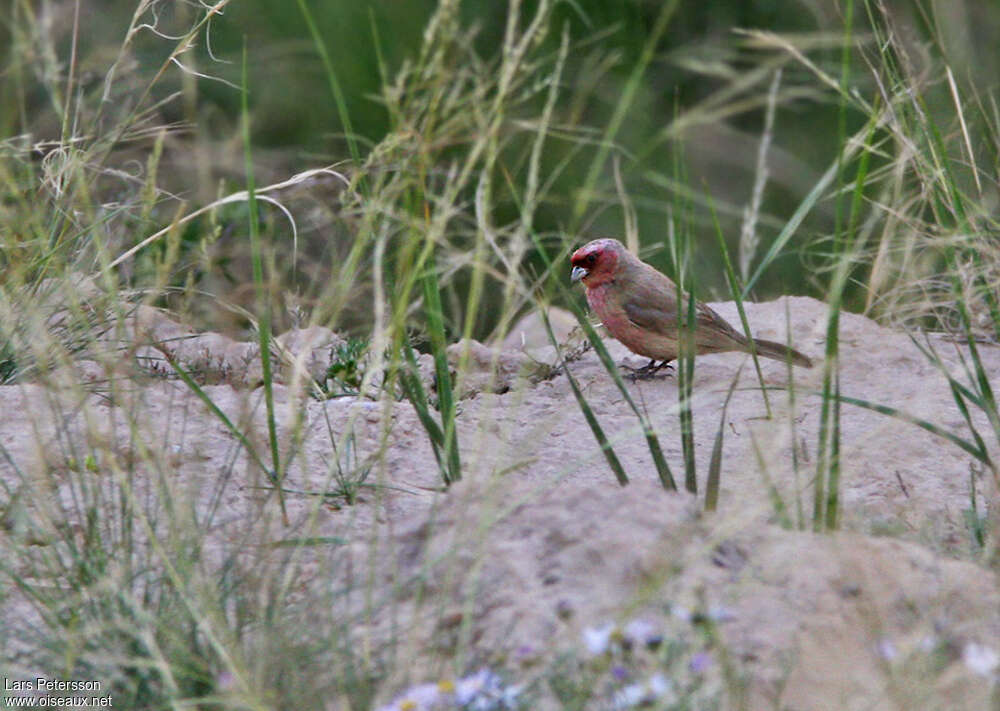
(8, 361)
(975, 522)
(445, 449)
(350, 475)
(346, 369)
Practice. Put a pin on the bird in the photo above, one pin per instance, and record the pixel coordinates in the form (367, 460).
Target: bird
(638, 305)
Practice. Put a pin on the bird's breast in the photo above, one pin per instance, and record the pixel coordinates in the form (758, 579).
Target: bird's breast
(606, 303)
(603, 303)
(597, 298)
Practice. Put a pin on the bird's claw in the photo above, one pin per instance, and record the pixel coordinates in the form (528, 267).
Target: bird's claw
(649, 371)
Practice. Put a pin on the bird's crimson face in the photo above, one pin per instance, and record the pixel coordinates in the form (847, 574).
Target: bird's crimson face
(594, 263)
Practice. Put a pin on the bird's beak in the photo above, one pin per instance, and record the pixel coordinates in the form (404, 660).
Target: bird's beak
(578, 273)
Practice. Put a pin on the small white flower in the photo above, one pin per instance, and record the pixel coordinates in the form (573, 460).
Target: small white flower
(598, 639)
(508, 697)
(640, 632)
(659, 685)
(886, 649)
(417, 698)
(482, 683)
(629, 697)
(721, 613)
(482, 691)
(633, 695)
(681, 613)
(981, 659)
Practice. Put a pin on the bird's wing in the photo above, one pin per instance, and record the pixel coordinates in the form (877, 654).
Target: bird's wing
(711, 321)
(651, 303)
(651, 317)
(655, 309)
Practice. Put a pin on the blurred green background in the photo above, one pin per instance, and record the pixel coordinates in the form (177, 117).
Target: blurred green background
(698, 110)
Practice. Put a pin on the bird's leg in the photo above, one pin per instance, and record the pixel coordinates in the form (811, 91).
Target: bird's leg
(648, 371)
(657, 368)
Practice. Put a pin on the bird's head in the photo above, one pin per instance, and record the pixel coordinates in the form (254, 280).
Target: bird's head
(596, 262)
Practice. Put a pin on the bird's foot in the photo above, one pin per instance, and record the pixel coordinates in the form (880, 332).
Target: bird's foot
(648, 371)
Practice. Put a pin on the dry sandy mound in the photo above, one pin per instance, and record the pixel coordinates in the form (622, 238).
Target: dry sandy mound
(538, 547)
(517, 572)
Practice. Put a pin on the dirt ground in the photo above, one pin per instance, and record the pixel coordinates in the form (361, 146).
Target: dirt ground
(538, 542)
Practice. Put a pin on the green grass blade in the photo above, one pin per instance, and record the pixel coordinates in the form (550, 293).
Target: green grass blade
(832, 510)
(966, 446)
(263, 300)
(846, 249)
(963, 223)
(331, 75)
(679, 245)
(777, 503)
(981, 377)
(310, 541)
(685, 391)
(662, 469)
(715, 464)
(622, 109)
(959, 392)
(777, 248)
(446, 395)
(972, 519)
(413, 390)
(652, 442)
(793, 429)
(606, 449)
(737, 294)
(215, 410)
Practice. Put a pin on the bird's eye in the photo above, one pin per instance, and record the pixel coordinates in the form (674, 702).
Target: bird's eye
(591, 258)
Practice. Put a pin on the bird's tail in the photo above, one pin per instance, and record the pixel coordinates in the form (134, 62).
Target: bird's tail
(779, 351)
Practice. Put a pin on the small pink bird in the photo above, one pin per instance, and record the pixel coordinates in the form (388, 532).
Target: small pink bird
(638, 306)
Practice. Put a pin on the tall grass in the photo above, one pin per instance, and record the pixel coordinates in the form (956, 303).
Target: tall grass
(455, 223)
(264, 306)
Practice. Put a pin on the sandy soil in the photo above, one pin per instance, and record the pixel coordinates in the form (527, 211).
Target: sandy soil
(538, 542)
